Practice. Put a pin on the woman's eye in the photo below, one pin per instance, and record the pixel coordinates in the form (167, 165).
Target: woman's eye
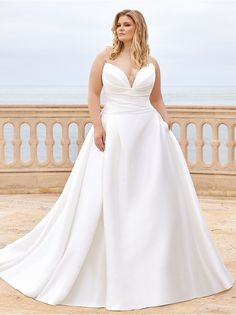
(124, 25)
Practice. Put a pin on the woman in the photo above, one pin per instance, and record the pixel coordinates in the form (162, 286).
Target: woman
(127, 231)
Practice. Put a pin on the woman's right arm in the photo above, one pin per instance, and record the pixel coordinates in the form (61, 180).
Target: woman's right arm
(94, 92)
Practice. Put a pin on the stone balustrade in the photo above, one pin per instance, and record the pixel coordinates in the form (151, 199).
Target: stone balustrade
(39, 144)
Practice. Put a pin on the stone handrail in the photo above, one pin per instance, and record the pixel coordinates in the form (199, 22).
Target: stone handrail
(218, 121)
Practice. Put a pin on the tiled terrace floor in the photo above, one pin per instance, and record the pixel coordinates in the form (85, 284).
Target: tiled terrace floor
(19, 213)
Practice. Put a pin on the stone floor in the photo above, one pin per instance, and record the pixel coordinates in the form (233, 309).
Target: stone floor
(19, 213)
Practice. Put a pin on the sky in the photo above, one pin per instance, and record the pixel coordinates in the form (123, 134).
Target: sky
(53, 43)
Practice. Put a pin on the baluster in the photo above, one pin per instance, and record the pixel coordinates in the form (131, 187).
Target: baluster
(33, 141)
(80, 138)
(65, 142)
(215, 144)
(231, 145)
(183, 138)
(17, 144)
(2, 144)
(49, 142)
(199, 145)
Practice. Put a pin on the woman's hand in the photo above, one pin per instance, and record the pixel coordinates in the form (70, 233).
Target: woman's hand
(100, 137)
(169, 124)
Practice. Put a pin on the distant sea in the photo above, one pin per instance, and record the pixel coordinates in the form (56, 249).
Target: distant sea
(172, 95)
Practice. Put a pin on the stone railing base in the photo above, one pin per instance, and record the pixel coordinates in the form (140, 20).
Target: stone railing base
(54, 182)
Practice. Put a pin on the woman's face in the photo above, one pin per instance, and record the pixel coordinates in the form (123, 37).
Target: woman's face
(125, 28)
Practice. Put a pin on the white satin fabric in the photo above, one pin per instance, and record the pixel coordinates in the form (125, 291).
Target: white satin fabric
(127, 231)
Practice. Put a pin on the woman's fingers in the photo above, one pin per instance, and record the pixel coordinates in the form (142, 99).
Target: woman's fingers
(100, 138)
(100, 143)
(104, 137)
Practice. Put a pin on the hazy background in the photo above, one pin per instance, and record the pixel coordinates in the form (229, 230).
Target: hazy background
(47, 47)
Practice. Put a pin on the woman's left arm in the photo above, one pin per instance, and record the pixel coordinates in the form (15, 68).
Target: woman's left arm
(156, 96)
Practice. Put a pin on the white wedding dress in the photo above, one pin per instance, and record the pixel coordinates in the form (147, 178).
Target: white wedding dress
(127, 231)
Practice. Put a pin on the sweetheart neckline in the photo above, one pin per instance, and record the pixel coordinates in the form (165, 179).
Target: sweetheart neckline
(130, 86)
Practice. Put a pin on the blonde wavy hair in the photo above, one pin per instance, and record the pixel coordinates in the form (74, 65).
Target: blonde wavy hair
(139, 48)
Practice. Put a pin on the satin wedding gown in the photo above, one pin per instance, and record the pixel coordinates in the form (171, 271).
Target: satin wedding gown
(127, 231)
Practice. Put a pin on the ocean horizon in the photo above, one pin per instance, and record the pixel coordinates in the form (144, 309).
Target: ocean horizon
(172, 95)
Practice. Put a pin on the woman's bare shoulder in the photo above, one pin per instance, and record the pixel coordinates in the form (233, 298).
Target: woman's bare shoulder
(154, 61)
(103, 54)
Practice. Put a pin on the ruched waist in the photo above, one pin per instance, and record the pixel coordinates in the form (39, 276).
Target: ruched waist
(118, 108)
